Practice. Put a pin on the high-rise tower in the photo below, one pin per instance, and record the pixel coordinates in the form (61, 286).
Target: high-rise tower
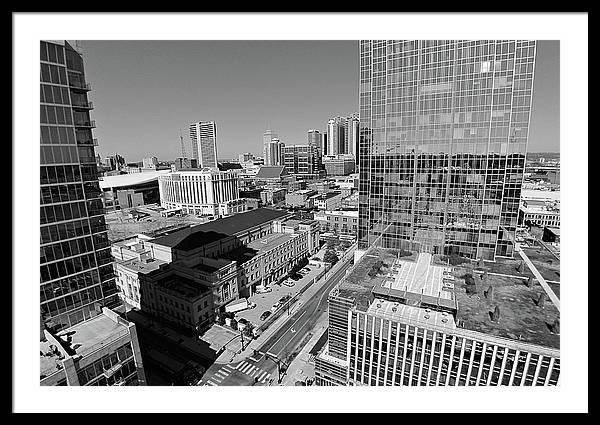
(204, 143)
(76, 272)
(443, 137)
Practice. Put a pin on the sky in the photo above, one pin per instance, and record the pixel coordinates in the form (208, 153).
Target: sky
(146, 92)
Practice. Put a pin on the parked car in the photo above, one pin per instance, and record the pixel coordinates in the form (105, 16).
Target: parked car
(305, 269)
(275, 306)
(265, 315)
(262, 289)
(251, 304)
(284, 299)
(289, 282)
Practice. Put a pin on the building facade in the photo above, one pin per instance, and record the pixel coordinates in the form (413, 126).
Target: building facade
(339, 165)
(203, 135)
(204, 193)
(302, 159)
(443, 137)
(328, 201)
(75, 262)
(343, 222)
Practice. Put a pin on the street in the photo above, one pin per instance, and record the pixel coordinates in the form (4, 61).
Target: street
(287, 340)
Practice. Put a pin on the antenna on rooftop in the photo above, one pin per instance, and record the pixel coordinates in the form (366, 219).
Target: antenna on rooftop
(182, 144)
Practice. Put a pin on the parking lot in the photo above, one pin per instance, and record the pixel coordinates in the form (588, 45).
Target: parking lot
(265, 301)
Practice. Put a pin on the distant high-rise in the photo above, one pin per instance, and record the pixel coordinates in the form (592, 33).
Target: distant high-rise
(314, 138)
(351, 135)
(324, 144)
(272, 149)
(150, 162)
(76, 272)
(204, 143)
(268, 148)
(336, 136)
(443, 137)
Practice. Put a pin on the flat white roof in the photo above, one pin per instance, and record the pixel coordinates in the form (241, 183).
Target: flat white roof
(540, 194)
(410, 315)
(420, 277)
(123, 180)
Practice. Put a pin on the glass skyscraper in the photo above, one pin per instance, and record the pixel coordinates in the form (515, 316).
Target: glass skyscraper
(76, 271)
(442, 144)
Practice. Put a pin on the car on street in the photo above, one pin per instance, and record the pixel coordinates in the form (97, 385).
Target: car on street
(265, 315)
(289, 282)
(275, 306)
(284, 299)
(251, 304)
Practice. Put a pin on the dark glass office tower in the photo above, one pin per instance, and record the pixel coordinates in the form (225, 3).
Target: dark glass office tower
(443, 138)
(76, 272)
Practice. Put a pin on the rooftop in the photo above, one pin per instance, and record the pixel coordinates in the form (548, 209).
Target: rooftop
(269, 242)
(124, 180)
(240, 222)
(328, 195)
(357, 284)
(80, 340)
(540, 194)
(144, 266)
(420, 283)
(189, 238)
(241, 254)
(182, 287)
(270, 172)
(408, 314)
(520, 316)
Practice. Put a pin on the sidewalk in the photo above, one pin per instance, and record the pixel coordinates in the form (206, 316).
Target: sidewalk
(229, 356)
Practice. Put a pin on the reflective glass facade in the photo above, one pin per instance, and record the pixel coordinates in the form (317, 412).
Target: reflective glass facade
(442, 143)
(75, 261)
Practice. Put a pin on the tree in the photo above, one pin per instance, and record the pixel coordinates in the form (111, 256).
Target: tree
(496, 314)
(248, 329)
(330, 257)
(470, 283)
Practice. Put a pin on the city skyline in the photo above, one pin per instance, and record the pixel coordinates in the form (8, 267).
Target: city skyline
(247, 87)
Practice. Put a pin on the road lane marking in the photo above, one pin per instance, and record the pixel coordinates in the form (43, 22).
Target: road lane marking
(262, 376)
(279, 339)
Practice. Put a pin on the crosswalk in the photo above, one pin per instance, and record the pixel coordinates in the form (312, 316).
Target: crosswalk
(253, 371)
(243, 367)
